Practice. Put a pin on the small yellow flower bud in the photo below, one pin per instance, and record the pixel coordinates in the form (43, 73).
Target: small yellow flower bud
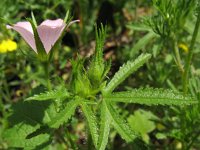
(183, 47)
(7, 45)
(11, 45)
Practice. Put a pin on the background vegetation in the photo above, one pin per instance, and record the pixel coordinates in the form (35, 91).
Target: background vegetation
(167, 30)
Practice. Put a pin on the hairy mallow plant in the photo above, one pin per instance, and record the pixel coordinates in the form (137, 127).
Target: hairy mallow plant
(36, 122)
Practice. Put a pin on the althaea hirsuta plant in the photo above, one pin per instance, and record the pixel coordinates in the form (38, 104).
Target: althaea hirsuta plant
(35, 121)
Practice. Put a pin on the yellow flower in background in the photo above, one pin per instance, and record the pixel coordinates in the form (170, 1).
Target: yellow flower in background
(183, 47)
(7, 46)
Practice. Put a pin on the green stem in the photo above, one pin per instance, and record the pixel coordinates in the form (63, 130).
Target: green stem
(73, 145)
(183, 129)
(2, 110)
(89, 141)
(177, 55)
(190, 54)
(5, 85)
(46, 69)
(193, 140)
(7, 95)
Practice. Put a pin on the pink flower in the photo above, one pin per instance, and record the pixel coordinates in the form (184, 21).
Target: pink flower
(49, 32)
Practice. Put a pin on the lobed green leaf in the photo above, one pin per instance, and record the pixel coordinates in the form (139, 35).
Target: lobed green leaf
(17, 136)
(53, 94)
(142, 43)
(120, 125)
(104, 127)
(125, 71)
(64, 115)
(151, 96)
(92, 122)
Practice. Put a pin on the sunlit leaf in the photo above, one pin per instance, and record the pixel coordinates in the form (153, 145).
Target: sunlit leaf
(64, 115)
(53, 94)
(16, 136)
(124, 71)
(151, 96)
(120, 125)
(104, 127)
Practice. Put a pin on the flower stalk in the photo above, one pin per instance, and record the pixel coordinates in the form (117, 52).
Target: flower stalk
(177, 55)
(46, 71)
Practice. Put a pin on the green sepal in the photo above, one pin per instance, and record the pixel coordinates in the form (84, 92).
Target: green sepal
(98, 68)
(33, 19)
(80, 83)
(42, 55)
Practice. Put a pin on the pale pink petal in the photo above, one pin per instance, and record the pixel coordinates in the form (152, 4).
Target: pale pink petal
(49, 32)
(26, 31)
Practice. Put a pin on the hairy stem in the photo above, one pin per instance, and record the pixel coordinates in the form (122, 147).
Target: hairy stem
(190, 54)
(73, 145)
(193, 140)
(46, 70)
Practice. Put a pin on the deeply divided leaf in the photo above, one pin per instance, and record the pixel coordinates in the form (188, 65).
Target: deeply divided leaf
(150, 96)
(17, 136)
(53, 94)
(63, 116)
(120, 125)
(92, 122)
(26, 118)
(142, 43)
(125, 71)
(104, 127)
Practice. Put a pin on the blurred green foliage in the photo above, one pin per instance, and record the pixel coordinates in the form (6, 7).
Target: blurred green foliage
(158, 27)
